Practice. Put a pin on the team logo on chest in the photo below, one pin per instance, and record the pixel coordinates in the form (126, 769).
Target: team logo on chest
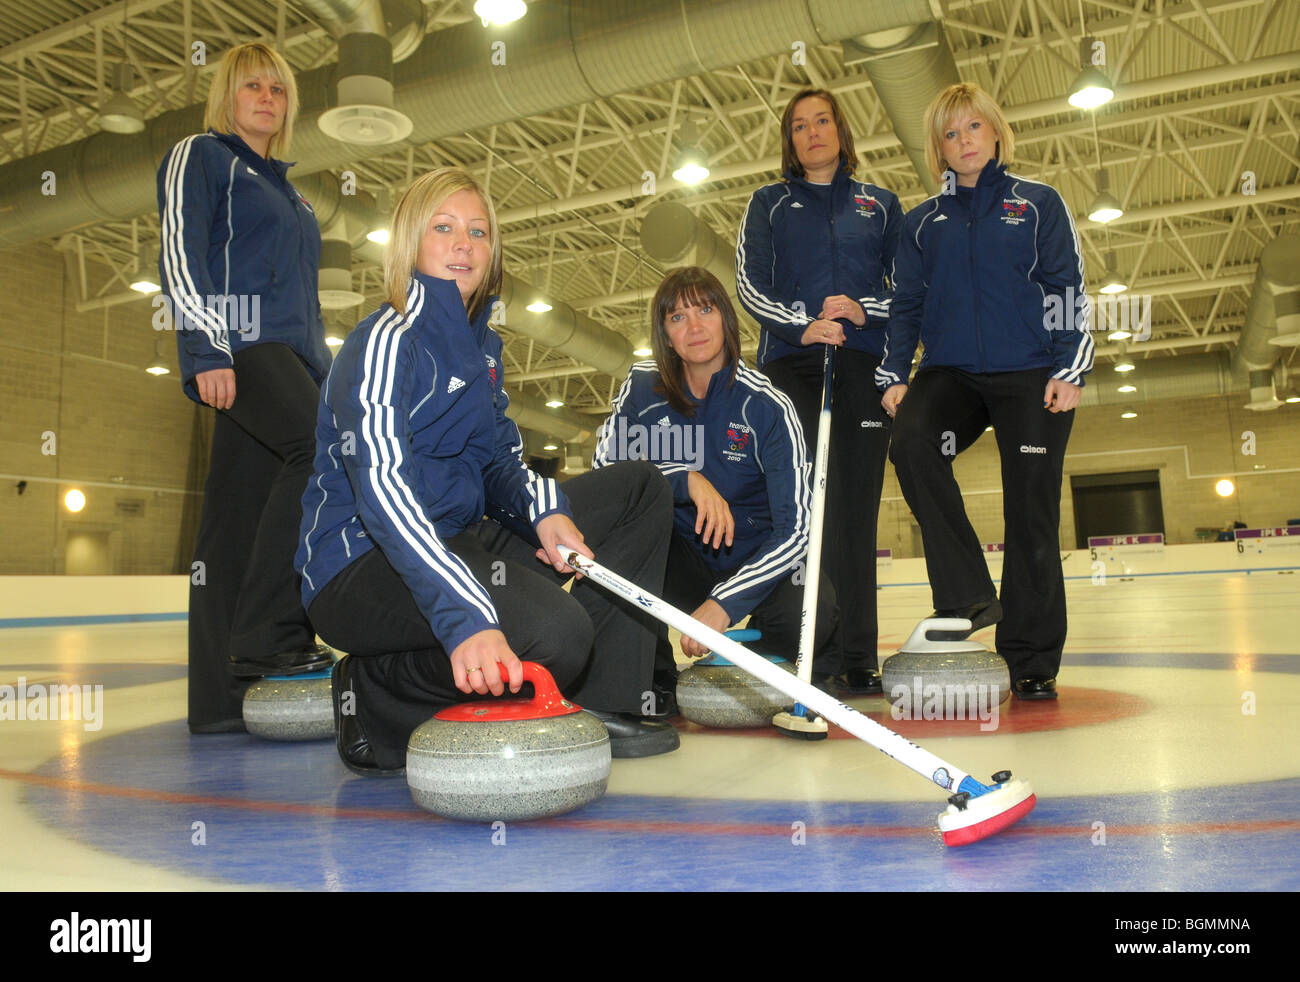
(866, 205)
(737, 441)
(1014, 210)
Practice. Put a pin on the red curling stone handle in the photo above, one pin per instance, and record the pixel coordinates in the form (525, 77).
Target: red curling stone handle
(547, 701)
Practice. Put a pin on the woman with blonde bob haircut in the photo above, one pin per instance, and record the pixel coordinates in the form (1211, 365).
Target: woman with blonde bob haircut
(239, 260)
(964, 100)
(432, 601)
(989, 277)
(241, 63)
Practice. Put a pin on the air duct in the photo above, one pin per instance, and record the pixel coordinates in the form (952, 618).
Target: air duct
(1184, 377)
(363, 82)
(529, 413)
(565, 330)
(672, 235)
(908, 67)
(1274, 309)
(571, 53)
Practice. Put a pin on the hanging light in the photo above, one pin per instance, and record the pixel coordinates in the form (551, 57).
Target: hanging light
(1127, 388)
(642, 351)
(551, 446)
(1105, 207)
(145, 281)
(1112, 282)
(1128, 414)
(1124, 364)
(1091, 87)
(498, 12)
(1224, 488)
(74, 500)
(158, 366)
(691, 167)
(554, 401)
(538, 306)
(119, 113)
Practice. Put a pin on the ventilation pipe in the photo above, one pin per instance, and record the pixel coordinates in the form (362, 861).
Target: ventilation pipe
(572, 53)
(908, 67)
(529, 413)
(673, 235)
(1273, 315)
(564, 329)
(363, 80)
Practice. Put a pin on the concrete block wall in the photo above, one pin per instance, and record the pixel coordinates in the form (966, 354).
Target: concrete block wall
(81, 377)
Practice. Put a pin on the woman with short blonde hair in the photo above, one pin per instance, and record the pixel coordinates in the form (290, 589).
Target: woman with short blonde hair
(239, 64)
(964, 99)
(980, 269)
(239, 259)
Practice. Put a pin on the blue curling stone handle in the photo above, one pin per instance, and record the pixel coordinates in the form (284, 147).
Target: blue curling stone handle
(324, 673)
(739, 635)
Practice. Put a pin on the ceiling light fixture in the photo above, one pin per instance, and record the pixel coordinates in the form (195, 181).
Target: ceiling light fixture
(1105, 207)
(691, 162)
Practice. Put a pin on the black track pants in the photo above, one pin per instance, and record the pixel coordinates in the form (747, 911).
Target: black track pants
(945, 411)
(860, 431)
(599, 649)
(245, 597)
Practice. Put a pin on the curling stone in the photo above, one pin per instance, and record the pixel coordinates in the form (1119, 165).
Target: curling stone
(509, 759)
(290, 707)
(714, 692)
(965, 673)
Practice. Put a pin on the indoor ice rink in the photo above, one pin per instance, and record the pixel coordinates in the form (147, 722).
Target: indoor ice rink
(1169, 763)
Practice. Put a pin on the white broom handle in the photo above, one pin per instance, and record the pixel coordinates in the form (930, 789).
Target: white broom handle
(885, 740)
(813, 566)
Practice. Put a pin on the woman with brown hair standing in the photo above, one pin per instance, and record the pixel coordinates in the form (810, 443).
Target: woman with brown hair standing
(812, 267)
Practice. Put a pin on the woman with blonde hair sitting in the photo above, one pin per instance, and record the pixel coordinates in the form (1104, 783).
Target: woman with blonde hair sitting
(400, 568)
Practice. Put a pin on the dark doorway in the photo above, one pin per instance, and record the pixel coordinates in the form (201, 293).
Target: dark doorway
(1116, 504)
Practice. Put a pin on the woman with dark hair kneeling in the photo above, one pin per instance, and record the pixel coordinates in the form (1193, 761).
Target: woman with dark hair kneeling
(730, 444)
(399, 566)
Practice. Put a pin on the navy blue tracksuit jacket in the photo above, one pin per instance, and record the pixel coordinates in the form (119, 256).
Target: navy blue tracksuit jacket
(746, 440)
(234, 227)
(800, 243)
(990, 285)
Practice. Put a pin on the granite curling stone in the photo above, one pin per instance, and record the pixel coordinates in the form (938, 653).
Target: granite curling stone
(509, 759)
(290, 707)
(713, 692)
(960, 676)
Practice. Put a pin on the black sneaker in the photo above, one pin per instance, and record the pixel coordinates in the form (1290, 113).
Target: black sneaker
(633, 736)
(315, 658)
